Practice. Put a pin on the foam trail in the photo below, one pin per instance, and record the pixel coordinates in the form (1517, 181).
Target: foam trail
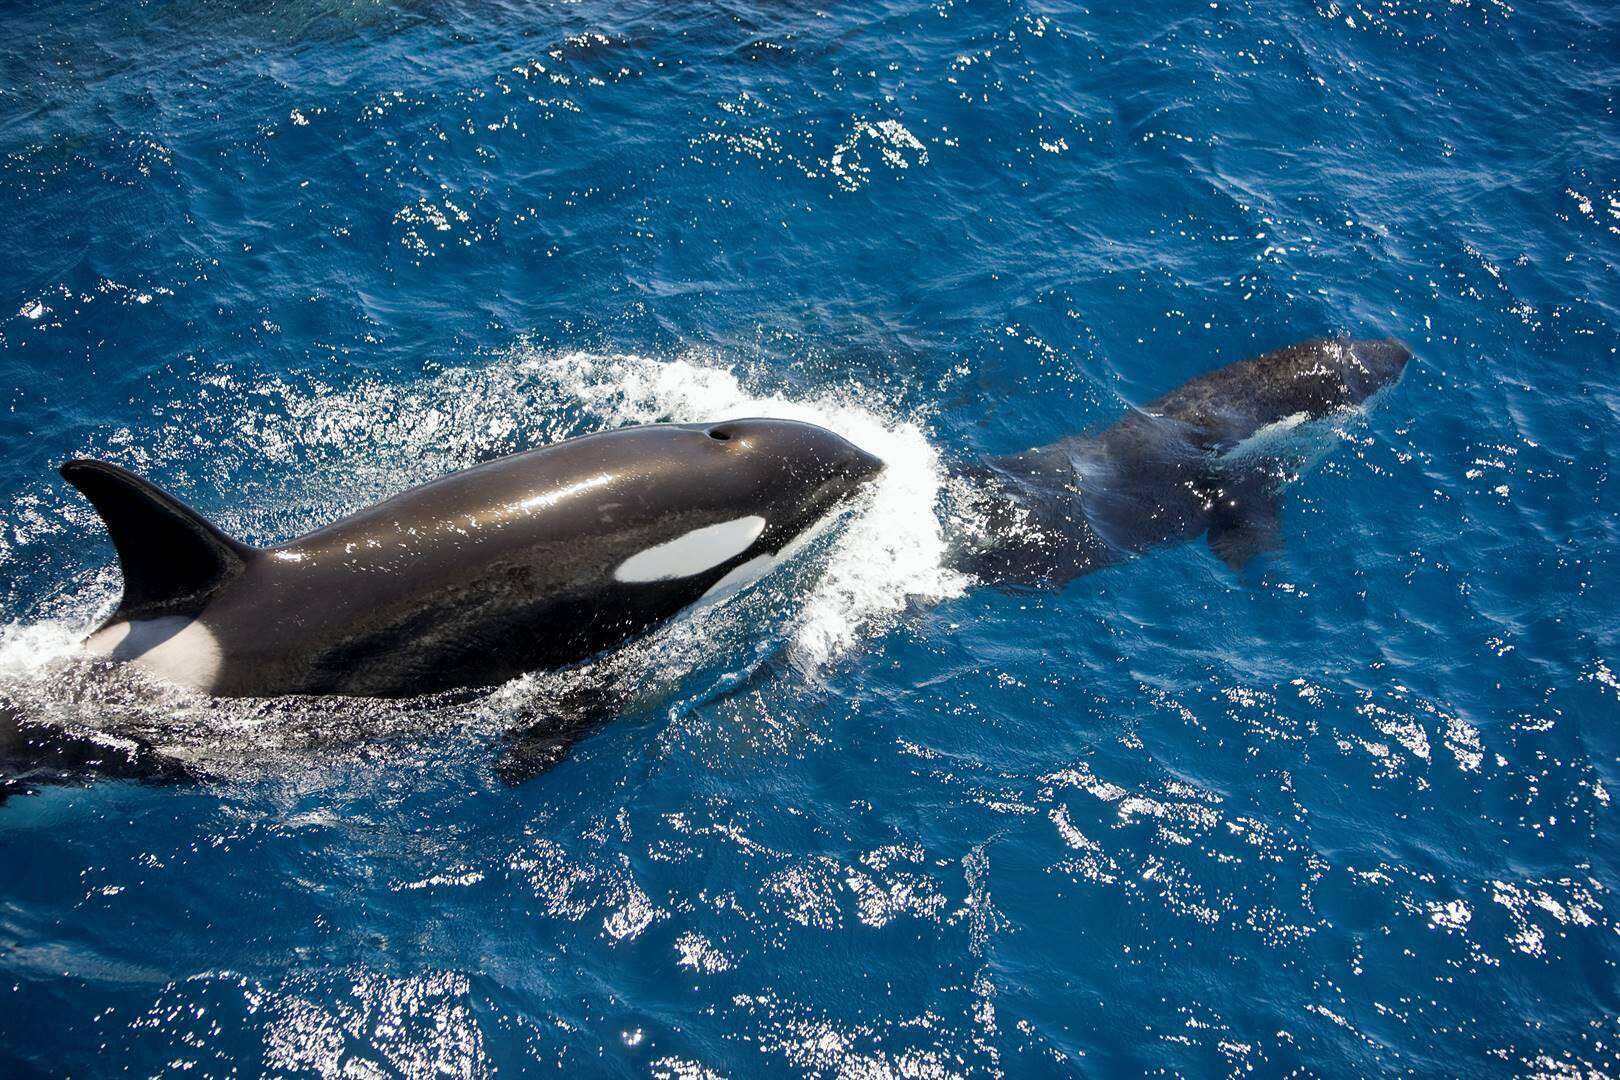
(29, 650)
(890, 553)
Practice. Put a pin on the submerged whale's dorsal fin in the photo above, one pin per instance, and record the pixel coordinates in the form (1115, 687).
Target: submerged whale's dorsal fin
(172, 557)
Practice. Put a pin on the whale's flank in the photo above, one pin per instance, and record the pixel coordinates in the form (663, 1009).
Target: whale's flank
(535, 561)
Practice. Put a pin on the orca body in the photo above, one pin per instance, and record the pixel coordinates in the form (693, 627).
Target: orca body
(535, 561)
(547, 558)
(1168, 472)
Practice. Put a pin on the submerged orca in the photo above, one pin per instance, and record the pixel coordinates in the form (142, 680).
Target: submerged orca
(1167, 472)
(39, 752)
(534, 561)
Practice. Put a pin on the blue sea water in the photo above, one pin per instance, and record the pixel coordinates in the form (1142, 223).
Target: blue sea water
(1346, 812)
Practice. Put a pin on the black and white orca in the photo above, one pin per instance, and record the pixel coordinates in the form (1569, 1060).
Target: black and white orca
(1191, 463)
(534, 561)
(547, 558)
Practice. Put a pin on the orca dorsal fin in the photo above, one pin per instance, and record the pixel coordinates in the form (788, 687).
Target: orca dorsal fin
(172, 557)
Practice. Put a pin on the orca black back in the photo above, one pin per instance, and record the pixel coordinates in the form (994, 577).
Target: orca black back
(1164, 473)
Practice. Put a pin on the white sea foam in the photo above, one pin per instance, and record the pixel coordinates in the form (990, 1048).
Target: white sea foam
(28, 650)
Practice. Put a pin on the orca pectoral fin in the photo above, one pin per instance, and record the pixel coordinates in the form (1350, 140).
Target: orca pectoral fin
(543, 743)
(1246, 520)
(535, 750)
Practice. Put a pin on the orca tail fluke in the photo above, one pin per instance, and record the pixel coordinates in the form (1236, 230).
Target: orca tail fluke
(172, 557)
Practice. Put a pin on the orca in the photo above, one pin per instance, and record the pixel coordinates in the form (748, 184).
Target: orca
(535, 561)
(1191, 463)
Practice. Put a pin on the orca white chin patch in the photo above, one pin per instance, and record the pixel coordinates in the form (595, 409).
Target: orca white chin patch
(1291, 434)
(693, 553)
(745, 574)
(740, 577)
(178, 649)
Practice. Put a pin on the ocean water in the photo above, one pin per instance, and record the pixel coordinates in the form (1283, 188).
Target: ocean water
(1348, 811)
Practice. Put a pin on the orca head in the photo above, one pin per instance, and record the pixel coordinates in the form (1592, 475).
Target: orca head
(1370, 365)
(797, 459)
(760, 487)
(1315, 378)
(1301, 387)
(792, 474)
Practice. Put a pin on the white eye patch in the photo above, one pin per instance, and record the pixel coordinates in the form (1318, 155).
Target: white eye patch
(696, 551)
(740, 577)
